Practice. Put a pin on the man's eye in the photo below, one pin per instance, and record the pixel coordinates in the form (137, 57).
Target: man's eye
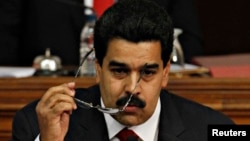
(119, 71)
(148, 73)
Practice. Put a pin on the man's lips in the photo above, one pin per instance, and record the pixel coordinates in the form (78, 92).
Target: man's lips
(130, 109)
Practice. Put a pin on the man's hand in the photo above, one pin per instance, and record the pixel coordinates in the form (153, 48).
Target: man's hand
(53, 111)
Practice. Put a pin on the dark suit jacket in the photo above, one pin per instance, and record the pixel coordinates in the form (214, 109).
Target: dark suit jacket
(28, 27)
(180, 120)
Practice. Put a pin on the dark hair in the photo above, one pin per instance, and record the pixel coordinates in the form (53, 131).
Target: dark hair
(134, 20)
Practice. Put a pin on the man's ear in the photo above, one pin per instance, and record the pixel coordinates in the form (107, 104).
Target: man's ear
(165, 74)
(98, 71)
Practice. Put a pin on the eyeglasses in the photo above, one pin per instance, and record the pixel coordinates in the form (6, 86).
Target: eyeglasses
(87, 105)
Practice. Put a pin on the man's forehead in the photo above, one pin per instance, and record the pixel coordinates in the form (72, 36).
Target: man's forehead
(118, 42)
(121, 52)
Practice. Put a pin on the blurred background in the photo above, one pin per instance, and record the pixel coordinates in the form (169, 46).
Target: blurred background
(29, 27)
(225, 26)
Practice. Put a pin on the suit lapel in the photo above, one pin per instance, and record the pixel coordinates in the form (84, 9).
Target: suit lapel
(171, 125)
(89, 124)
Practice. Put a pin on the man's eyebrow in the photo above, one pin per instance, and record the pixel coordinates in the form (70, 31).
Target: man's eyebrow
(152, 66)
(117, 64)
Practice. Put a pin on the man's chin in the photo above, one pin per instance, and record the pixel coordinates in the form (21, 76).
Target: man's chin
(128, 118)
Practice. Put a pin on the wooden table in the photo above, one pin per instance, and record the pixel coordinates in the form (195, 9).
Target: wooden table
(229, 95)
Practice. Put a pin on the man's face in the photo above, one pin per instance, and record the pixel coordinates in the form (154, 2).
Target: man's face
(120, 71)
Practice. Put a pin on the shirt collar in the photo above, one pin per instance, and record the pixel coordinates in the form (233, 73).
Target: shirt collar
(148, 131)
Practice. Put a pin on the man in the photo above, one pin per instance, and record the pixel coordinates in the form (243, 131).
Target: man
(28, 27)
(133, 42)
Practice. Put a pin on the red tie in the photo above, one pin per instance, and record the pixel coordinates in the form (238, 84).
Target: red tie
(127, 135)
(101, 5)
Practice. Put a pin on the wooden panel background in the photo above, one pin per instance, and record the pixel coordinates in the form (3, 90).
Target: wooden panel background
(230, 96)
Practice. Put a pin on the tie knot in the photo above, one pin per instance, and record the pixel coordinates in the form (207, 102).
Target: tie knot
(127, 135)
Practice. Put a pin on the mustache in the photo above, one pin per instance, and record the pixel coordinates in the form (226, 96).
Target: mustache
(135, 101)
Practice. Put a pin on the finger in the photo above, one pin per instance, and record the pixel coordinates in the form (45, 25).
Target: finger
(57, 98)
(63, 89)
(56, 107)
(61, 108)
(71, 85)
(45, 106)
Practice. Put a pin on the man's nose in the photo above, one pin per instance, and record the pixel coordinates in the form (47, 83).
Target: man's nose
(132, 83)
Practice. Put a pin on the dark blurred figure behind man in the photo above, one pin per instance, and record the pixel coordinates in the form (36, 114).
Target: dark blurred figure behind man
(28, 27)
